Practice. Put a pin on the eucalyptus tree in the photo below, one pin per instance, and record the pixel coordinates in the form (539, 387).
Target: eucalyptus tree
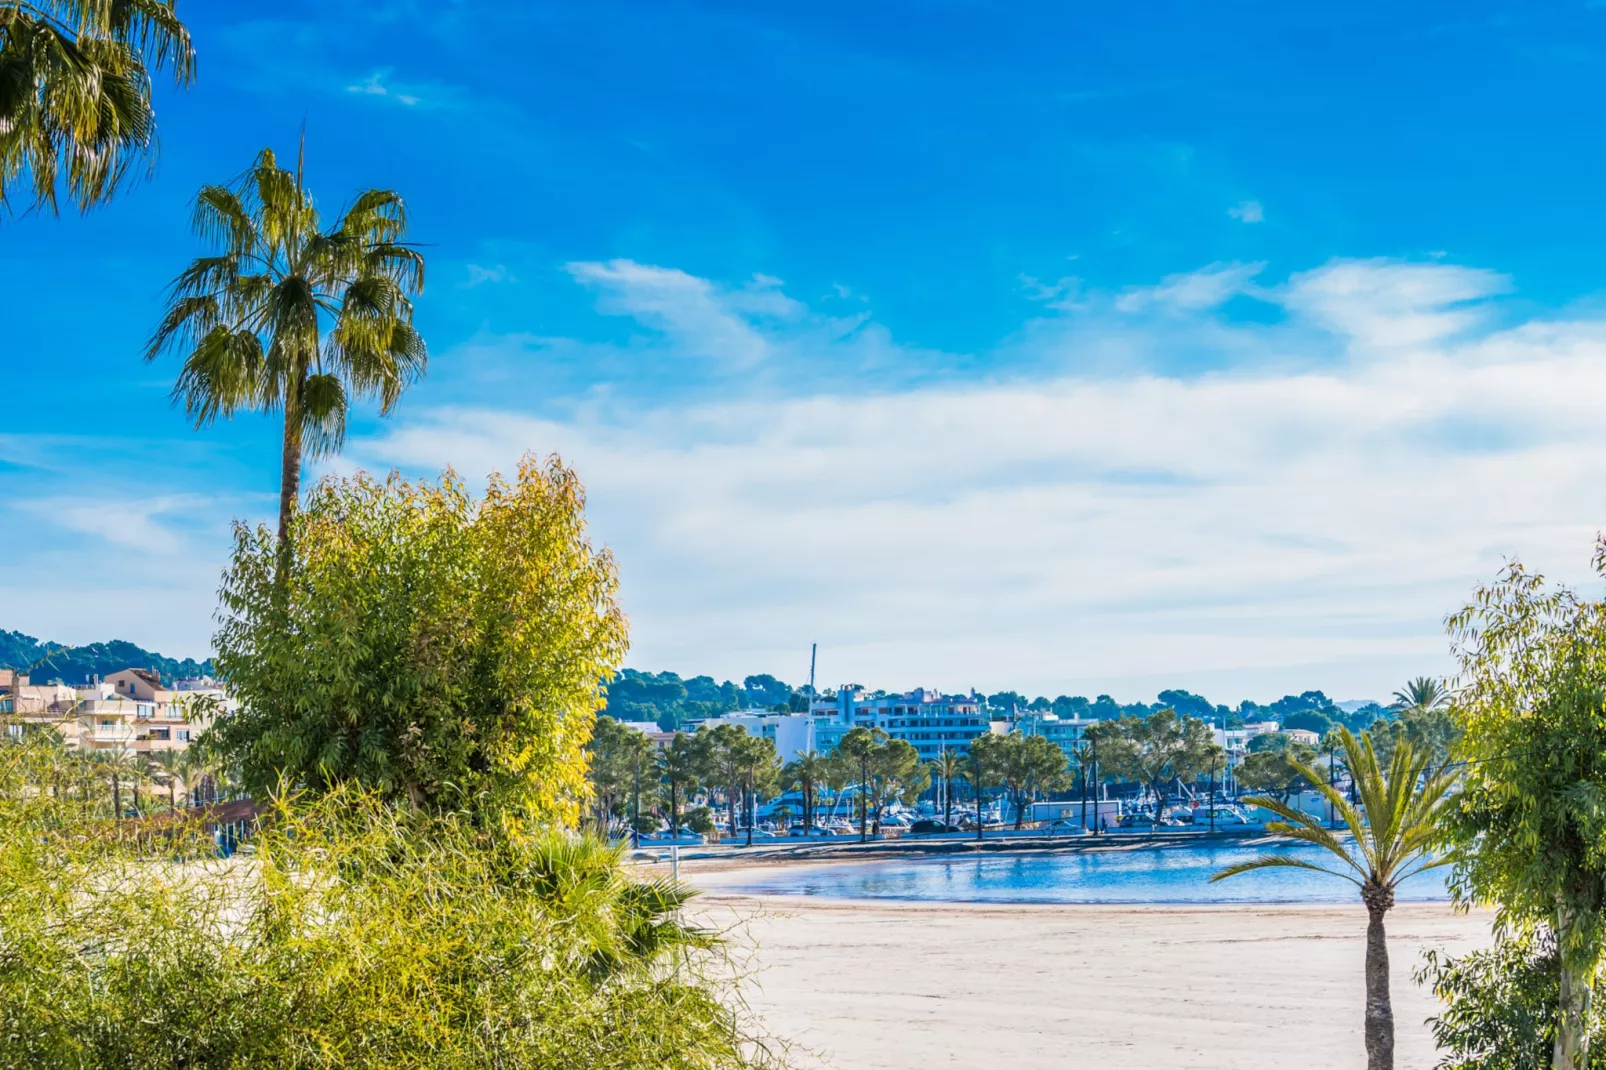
(288, 315)
(726, 756)
(1394, 828)
(1532, 704)
(75, 95)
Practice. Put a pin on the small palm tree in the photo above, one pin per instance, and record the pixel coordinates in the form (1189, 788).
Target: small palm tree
(122, 766)
(75, 94)
(290, 317)
(948, 767)
(173, 767)
(1393, 828)
(807, 772)
(1423, 694)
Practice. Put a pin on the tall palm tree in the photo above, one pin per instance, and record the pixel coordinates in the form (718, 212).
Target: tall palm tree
(75, 94)
(1393, 827)
(288, 316)
(948, 767)
(1423, 694)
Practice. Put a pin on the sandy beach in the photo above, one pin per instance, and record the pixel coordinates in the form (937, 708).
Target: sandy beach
(877, 985)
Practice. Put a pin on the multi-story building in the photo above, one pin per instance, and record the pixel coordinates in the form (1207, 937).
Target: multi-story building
(792, 733)
(129, 711)
(928, 720)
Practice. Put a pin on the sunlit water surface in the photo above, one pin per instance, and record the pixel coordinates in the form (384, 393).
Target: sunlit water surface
(1138, 875)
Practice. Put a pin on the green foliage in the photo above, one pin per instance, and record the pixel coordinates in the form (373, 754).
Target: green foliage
(75, 95)
(1025, 766)
(1394, 826)
(619, 759)
(808, 772)
(1500, 1005)
(432, 647)
(288, 316)
(1532, 704)
(78, 664)
(700, 819)
(681, 767)
(359, 935)
(1156, 750)
(1276, 771)
(1534, 671)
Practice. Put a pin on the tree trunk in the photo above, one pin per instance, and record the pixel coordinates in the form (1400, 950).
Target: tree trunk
(1572, 1019)
(117, 797)
(289, 479)
(1379, 1009)
(947, 802)
(674, 809)
(1020, 810)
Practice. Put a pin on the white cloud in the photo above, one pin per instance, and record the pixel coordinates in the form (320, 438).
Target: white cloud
(690, 310)
(1247, 212)
(480, 274)
(1193, 291)
(375, 86)
(130, 523)
(1237, 534)
(1385, 303)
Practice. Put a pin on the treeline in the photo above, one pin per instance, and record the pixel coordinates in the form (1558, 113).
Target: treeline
(670, 701)
(47, 662)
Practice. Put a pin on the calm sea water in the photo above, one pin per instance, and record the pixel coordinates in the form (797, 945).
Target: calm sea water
(1140, 875)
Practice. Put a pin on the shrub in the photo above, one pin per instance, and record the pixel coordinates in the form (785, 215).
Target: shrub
(358, 934)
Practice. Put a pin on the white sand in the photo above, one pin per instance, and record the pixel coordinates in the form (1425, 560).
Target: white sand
(870, 985)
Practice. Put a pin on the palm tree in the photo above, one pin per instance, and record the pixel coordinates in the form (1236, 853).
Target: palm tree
(293, 318)
(807, 772)
(75, 94)
(948, 767)
(1422, 694)
(120, 765)
(1393, 828)
(174, 767)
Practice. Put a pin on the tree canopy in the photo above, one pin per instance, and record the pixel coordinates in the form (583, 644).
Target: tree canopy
(1532, 706)
(431, 646)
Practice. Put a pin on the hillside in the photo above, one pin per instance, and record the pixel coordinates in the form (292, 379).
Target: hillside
(46, 661)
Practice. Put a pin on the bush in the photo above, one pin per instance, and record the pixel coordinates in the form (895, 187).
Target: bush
(430, 646)
(1500, 1006)
(359, 934)
(700, 819)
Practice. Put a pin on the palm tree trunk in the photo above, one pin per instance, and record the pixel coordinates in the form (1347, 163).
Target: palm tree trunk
(947, 803)
(117, 797)
(1379, 1008)
(1572, 1021)
(289, 481)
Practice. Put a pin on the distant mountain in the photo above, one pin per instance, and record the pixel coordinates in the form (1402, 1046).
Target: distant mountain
(45, 661)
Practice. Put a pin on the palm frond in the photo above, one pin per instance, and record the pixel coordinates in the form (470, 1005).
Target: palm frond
(1279, 862)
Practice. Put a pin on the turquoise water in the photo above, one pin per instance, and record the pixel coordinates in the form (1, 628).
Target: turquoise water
(1142, 875)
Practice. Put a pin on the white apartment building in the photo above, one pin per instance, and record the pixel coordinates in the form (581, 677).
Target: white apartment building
(792, 733)
(928, 720)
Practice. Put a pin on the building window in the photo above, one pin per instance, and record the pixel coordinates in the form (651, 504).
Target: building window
(158, 733)
(183, 735)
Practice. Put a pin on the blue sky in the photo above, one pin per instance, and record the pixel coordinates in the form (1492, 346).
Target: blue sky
(1063, 347)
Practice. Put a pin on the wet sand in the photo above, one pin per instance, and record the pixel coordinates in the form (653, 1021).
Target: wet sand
(867, 985)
